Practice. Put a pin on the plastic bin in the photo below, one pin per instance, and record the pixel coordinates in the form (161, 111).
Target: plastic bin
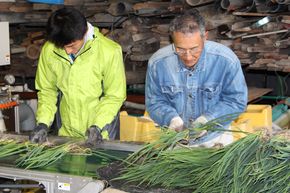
(47, 1)
(137, 129)
(256, 118)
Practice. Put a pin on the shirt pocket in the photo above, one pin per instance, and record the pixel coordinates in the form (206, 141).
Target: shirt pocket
(174, 95)
(210, 94)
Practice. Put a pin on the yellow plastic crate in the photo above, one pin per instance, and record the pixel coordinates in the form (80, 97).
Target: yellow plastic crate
(256, 118)
(137, 129)
(142, 129)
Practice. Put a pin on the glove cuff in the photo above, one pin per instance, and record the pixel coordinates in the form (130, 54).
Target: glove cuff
(41, 126)
(201, 119)
(176, 122)
(96, 127)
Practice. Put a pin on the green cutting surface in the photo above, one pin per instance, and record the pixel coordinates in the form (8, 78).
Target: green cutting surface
(81, 165)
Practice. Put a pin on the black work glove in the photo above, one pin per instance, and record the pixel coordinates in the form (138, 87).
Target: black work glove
(94, 136)
(39, 134)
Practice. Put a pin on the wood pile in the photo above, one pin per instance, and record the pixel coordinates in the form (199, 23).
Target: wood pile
(141, 28)
(261, 43)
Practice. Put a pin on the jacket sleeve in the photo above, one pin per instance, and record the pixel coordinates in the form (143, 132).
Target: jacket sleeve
(234, 95)
(45, 82)
(157, 104)
(114, 89)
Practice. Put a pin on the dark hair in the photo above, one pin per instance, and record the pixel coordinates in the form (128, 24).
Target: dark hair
(65, 26)
(189, 22)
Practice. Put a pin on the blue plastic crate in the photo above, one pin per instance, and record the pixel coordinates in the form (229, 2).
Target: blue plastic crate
(60, 2)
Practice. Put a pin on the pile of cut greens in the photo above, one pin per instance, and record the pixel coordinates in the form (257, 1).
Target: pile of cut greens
(31, 155)
(255, 163)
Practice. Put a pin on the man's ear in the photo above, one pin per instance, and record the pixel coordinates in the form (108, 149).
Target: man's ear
(206, 35)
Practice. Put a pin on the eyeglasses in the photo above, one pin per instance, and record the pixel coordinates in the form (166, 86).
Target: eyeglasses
(183, 52)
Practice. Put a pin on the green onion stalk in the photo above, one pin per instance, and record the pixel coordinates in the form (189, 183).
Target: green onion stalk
(169, 139)
(254, 163)
(39, 156)
(10, 147)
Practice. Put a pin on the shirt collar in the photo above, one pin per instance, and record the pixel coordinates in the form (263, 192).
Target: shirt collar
(88, 36)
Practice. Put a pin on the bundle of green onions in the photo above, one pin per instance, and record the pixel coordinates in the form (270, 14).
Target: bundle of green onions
(39, 156)
(10, 147)
(169, 139)
(252, 164)
(32, 155)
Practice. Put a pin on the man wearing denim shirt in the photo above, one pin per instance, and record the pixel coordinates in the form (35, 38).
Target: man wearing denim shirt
(194, 80)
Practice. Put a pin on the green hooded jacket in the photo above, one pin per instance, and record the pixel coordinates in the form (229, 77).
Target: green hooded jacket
(93, 87)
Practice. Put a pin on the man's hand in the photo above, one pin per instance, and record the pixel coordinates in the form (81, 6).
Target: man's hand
(198, 123)
(94, 136)
(39, 134)
(176, 124)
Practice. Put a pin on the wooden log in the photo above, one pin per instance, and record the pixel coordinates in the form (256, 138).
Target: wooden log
(146, 47)
(105, 18)
(41, 6)
(247, 61)
(271, 55)
(285, 20)
(39, 16)
(272, 45)
(265, 34)
(263, 62)
(135, 26)
(254, 14)
(95, 7)
(140, 57)
(195, 3)
(21, 8)
(135, 77)
(286, 69)
(261, 49)
(162, 29)
(34, 35)
(282, 43)
(39, 41)
(26, 42)
(141, 36)
(73, 2)
(17, 50)
(151, 8)
(274, 67)
(242, 26)
(242, 55)
(228, 43)
(151, 5)
(272, 25)
(120, 8)
(283, 62)
(4, 7)
(266, 41)
(33, 51)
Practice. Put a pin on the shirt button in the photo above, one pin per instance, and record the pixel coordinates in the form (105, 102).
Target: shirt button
(190, 74)
(190, 95)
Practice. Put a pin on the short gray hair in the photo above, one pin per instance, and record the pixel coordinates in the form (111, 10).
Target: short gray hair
(189, 22)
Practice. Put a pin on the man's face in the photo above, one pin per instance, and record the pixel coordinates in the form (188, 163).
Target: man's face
(188, 47)
(74, 47)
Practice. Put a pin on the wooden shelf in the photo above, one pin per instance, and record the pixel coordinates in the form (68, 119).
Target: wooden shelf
(255, 93)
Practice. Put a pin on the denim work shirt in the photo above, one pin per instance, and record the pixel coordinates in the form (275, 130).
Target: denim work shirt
(214, 88)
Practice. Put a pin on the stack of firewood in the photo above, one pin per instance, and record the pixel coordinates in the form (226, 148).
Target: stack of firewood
(141, 28)
(262, 45)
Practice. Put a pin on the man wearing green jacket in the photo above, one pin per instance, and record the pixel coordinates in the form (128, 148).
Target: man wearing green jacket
(87, 69)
